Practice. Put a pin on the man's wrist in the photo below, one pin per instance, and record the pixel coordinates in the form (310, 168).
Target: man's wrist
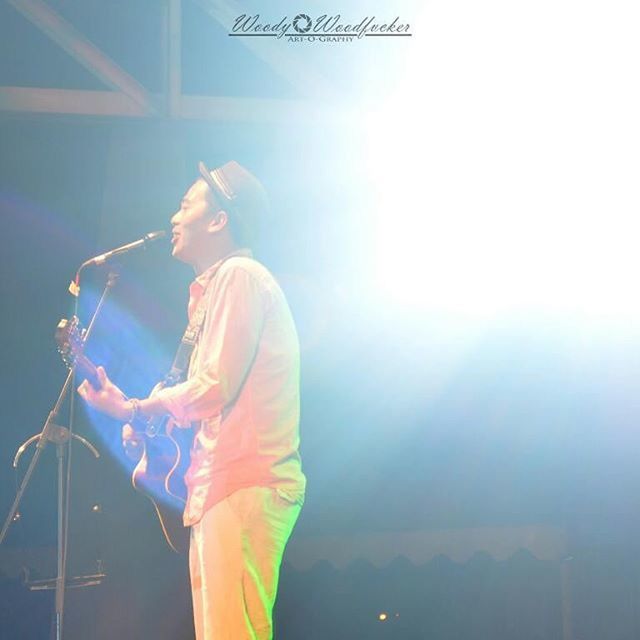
(134, 409)
(123, 413)
(150, 408)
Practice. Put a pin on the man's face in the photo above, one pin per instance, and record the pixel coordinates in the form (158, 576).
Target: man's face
(190, 232)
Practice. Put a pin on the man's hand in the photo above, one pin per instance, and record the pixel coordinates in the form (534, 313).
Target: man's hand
(107, 399)
(132, 443)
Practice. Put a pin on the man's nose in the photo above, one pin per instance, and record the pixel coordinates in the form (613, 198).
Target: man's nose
(175, 218)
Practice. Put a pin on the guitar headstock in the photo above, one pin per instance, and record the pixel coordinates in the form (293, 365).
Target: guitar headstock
(70, 341)
(69, 336)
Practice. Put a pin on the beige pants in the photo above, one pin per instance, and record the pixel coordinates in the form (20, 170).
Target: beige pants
(234, 559)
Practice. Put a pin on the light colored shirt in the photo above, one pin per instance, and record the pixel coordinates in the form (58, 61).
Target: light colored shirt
(242, 393)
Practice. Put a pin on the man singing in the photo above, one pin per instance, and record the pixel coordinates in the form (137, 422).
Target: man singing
(245, 486)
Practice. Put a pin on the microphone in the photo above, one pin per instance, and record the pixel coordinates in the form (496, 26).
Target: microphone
(138, 244)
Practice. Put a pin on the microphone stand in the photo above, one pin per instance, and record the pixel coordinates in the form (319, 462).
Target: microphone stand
(62, 437)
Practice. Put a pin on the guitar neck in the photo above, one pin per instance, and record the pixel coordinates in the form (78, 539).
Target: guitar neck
(87, 370)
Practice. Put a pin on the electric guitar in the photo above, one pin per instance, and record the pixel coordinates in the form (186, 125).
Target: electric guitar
(164, 455)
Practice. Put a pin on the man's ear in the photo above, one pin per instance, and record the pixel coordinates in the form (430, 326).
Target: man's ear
(218, 222)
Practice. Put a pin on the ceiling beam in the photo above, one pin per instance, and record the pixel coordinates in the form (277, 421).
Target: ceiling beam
(173, 55)
(68, 101)
(83, 51)
(207, 108)
(259, 110)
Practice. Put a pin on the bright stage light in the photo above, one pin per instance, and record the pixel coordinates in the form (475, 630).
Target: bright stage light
(505, 165)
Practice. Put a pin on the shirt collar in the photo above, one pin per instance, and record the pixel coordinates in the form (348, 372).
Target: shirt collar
(205, 277)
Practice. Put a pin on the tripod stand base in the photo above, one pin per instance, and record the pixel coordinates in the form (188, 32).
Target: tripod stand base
(76, 582)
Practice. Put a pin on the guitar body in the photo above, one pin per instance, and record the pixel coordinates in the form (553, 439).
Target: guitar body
(159, 475)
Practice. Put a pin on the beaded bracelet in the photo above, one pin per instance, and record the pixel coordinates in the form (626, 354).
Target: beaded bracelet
(135, 410)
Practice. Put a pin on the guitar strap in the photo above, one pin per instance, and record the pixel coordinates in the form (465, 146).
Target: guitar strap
(180, 366)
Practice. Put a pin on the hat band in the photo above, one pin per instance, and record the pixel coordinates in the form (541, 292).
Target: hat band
(216, 182)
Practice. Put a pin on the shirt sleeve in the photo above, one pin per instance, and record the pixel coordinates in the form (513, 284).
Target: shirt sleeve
(228, 345)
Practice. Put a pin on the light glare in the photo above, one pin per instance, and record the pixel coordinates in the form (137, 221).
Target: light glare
(504, 166)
